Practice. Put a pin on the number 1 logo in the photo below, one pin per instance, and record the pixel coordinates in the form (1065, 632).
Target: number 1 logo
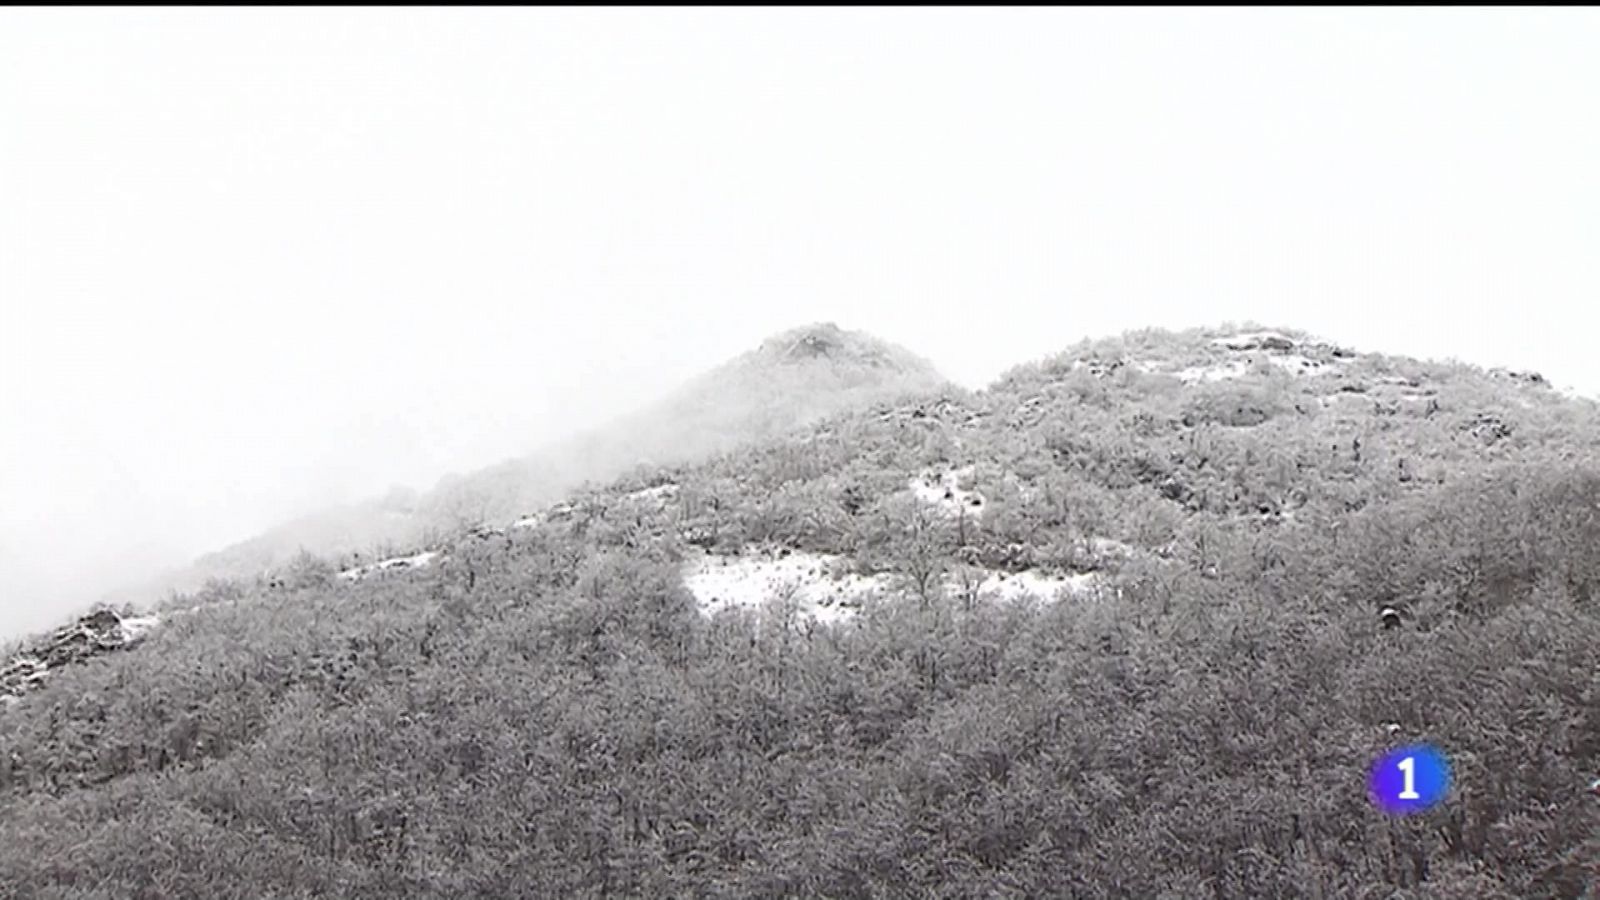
(1408, 766)
(1409, 780)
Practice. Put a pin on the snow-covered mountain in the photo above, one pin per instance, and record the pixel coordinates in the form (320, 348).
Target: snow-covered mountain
(1132, 621)
(790, 381)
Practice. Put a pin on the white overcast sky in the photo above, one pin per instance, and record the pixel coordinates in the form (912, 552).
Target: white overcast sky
(253, 261)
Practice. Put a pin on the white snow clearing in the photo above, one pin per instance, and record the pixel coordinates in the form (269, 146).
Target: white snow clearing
(945, 491)
(1234, 368)
(136, 627)
(658, 494)
(827, 589)
(1292, 363)
(1011, 587)
(418, 561)
(824, 586)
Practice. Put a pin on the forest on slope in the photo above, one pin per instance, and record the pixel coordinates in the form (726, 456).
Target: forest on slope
(548, 711)
(793, 379)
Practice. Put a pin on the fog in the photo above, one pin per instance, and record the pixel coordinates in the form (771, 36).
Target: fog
(254, 261)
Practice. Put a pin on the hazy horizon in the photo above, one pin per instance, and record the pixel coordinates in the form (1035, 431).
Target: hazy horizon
(258, 262)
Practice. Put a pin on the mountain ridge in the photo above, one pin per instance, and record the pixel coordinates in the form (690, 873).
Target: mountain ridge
(835, 369)
(1222, 348)
(1120, 621)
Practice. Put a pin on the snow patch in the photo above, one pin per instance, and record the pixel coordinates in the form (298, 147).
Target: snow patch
(1216, 372)
(1112, 549)
(1399, 381)
(1256, 340)
(554, 513)
(136, 627)
(418, 561)
(1012, 587)
(659, 494)
(826, 588)
(1347, 399)
(1295, 364)
(1100, 368)
(823, 586)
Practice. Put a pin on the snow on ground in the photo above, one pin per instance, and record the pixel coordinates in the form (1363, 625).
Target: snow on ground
(823, 586)
(1398, 381)
(659, 494)
(1112, 549)
(1255, 340)
(136, 627)
(828, 589)
(559, 511)
(1233, 368)
(1100, 368)
(946, 492)
(1330, 400)
(1011, 587)
(417, 561)
(1295, 364)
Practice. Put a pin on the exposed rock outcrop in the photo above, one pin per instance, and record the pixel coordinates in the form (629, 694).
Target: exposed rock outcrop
(94, 634)
(1529, 378)
(1487, 427)
(1261, 340)
(931, 413)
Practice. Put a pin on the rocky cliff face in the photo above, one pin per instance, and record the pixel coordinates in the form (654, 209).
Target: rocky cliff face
(95, 634)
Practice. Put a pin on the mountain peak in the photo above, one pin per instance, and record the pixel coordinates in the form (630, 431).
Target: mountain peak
(826, 341)
(812, 341)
